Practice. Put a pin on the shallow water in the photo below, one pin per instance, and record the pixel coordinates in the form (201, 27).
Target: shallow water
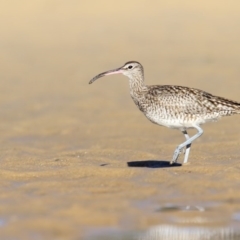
(199, 222)
(80, 161)
(169, 232)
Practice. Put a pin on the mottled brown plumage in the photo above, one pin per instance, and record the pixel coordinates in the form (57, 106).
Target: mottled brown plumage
(174, 106)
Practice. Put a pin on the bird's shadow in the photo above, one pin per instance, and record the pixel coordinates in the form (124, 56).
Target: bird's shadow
(153, 164)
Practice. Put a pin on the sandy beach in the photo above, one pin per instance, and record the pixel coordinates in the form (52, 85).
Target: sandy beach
(80, 161)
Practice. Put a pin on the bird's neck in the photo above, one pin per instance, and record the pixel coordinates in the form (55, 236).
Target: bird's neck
(136, 83)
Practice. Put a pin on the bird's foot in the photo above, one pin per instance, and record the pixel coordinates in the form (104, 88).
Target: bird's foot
(175, 155)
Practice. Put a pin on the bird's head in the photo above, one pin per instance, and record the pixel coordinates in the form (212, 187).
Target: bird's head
(129, 69)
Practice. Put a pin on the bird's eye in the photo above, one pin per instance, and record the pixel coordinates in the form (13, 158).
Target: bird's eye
(130, 67)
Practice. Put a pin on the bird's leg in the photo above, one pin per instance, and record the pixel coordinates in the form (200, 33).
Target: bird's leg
(185, 144)
(187, 151)
(187, 137)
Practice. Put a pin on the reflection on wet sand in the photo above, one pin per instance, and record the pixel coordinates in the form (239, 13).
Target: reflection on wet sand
(190, 233)
(195, 222)
(172, 233)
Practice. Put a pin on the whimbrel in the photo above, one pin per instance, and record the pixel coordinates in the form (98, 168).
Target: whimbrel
(174, 107)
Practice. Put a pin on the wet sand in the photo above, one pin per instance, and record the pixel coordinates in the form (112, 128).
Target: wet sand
(77, 159)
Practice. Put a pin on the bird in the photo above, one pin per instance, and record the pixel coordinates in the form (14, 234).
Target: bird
(172, 106)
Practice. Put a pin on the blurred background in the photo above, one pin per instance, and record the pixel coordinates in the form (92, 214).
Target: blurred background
(65, 144)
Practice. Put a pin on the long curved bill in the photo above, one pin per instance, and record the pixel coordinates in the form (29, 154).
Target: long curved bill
(110, 72)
